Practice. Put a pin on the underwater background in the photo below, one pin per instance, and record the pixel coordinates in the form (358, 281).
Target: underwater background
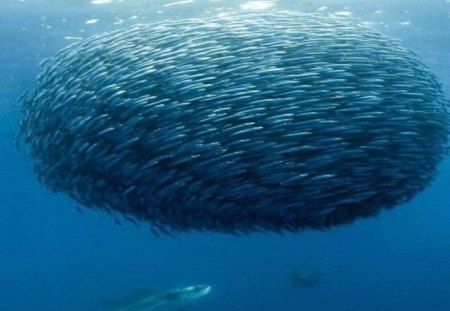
(55, 257)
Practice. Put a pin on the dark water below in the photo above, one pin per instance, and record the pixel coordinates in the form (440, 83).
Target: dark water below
(54, 258)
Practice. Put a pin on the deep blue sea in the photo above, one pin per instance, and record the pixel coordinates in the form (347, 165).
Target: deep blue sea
(54, 258)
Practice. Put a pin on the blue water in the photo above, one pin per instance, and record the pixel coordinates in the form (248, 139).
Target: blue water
(54, 258)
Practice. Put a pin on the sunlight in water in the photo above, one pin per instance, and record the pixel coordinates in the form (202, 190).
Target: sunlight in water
(91, 21)
(257, 5)
(343, 13)
(101, 1)
(178, 3)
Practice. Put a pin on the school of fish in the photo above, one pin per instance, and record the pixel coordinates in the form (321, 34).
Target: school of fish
(237, 123)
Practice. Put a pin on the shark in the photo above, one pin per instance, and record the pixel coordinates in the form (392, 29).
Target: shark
(168, 300)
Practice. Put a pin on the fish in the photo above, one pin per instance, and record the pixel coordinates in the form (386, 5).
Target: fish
(239, 123)
(305, 276)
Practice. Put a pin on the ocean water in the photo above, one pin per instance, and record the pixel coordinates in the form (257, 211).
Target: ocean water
(52, 257)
